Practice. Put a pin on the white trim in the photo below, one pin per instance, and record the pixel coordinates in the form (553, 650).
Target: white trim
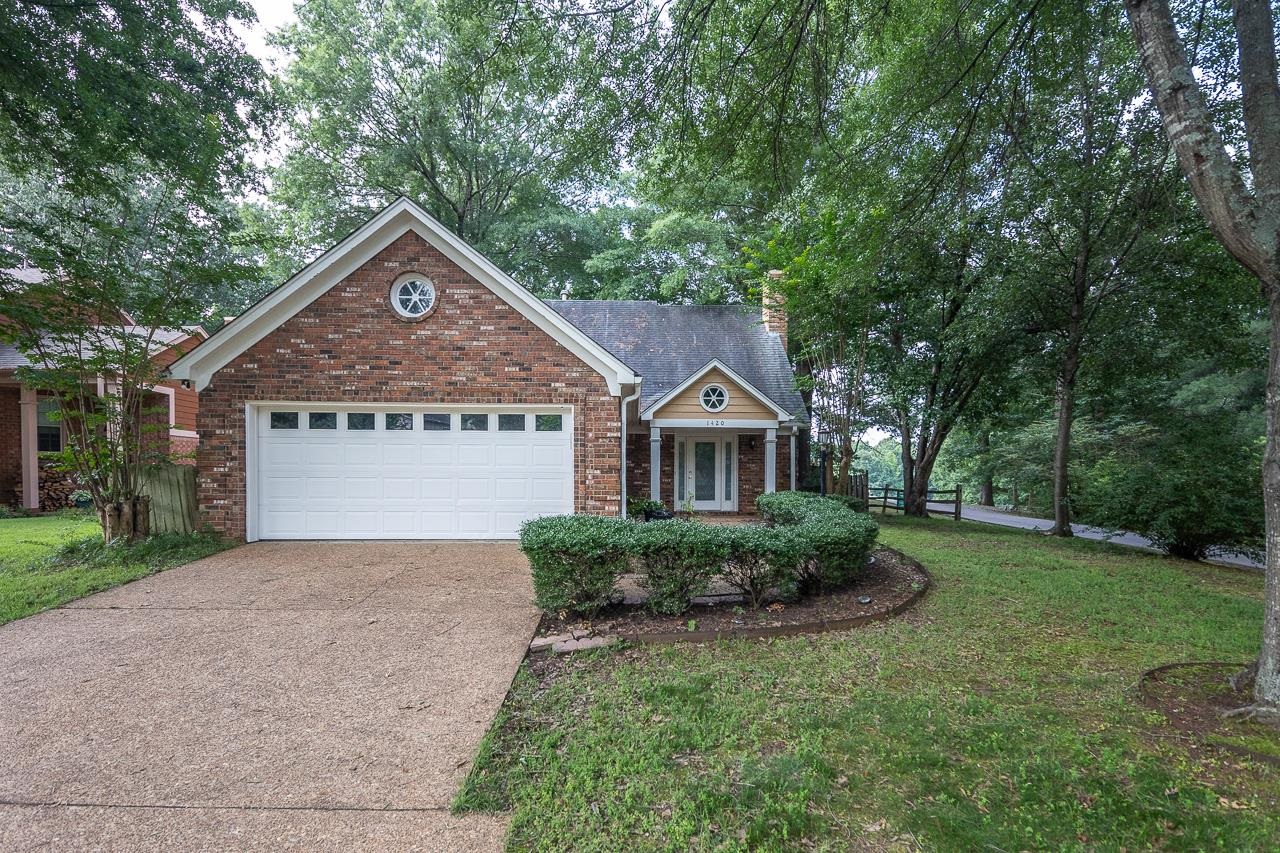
(770, 460)
(634, 395)
(720, 439)
(655, 464)
(702, 396)
(714, 364)
(393, 295)
(711, 423)
(250, 472)
(173, 402)
(793, 458)
(200, 364)
(183, 433)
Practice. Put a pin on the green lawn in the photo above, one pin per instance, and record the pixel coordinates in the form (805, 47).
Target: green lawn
(1000, 715)
(49, 560)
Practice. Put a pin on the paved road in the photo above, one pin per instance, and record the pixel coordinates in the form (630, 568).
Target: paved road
(317, 696)
(994, 516)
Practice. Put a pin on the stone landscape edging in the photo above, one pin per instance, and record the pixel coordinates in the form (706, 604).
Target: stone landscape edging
(594, 641)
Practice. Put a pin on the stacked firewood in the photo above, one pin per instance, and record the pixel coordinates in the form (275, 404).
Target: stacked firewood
(56, 488)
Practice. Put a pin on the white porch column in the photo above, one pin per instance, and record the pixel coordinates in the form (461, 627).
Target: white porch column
(655, 463)
(28, 413)
(771, 460)
(793, 459)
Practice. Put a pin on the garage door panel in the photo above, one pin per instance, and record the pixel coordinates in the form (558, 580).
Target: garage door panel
(438, 455)
(283, 452)
(475, 455)
(415, 483)
(394, 488)
(361, 453)
(397, 454)
(473, 488)
(511, 456)
(511, 489)
(357, 488)
(548, 456)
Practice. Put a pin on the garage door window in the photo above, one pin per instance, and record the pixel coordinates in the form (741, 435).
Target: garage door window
(360, 421)
(399, 421)
(510, 423)
(549, 423)
(479, 423)
(284, 420)
(436, 420)
(322, 420)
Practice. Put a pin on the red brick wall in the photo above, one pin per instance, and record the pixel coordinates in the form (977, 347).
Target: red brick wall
(750, 467)
(349, 345)
(10, 445)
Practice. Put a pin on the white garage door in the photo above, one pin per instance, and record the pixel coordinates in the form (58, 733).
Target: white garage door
(334, 472)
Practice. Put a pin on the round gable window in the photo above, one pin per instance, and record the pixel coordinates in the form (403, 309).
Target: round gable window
(413, 297)
(714, 398)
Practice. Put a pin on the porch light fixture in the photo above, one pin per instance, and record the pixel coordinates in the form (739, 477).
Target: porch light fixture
(714, 397)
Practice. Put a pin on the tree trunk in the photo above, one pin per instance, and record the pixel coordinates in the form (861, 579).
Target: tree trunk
(1245, 222)
(987, 493)
(126, 521)
(1267, 684)
(1066, 404)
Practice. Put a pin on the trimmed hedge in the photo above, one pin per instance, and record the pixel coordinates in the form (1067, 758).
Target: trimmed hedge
(677, 560)
(811, 543)
(576, 560)
(758, 559)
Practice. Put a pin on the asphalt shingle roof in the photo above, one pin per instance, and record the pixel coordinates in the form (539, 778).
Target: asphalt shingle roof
(665, 344)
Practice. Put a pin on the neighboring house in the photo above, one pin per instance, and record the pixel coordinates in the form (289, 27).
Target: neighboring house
(28, 426)
(402, 386)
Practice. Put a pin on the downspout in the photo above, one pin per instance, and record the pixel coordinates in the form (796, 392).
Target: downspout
(623, 509)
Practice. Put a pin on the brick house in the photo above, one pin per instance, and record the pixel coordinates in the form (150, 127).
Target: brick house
(28, 426)
(402, 386)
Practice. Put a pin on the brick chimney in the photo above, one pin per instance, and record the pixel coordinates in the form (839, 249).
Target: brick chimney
(774, 306)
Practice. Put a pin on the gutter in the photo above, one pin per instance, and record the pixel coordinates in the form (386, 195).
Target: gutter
(625, 400)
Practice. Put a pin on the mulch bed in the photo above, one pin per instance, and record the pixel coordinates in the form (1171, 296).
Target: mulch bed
(1194, 695)
(892, 581)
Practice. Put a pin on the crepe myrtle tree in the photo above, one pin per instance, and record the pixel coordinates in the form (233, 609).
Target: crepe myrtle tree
(1238, 191)
(117, 273)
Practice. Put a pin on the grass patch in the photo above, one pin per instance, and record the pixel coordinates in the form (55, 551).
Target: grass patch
(49, 560)
(1000, 714)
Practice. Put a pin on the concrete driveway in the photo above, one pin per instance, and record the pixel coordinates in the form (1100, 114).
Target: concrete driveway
(279, 695)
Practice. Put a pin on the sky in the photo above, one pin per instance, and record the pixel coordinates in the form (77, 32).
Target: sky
(272, 14)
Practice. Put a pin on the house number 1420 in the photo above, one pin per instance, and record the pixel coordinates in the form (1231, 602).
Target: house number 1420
(714, 423)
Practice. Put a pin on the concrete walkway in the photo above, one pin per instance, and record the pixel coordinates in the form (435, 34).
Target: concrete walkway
(988, 515)
(277, 696)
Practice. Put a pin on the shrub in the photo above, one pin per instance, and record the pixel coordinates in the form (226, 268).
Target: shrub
(831, 540)
(759, 558)
(637, 507)
(855, 504)
(576, 560)
(677, 559)
(833, 549)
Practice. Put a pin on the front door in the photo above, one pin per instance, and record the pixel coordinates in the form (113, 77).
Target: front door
(705, 475)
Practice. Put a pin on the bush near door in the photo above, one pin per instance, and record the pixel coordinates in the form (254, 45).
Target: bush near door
(812, 543)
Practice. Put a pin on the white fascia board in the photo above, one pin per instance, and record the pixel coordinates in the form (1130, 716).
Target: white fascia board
(315, 279)
(712, 423)
(714, 364)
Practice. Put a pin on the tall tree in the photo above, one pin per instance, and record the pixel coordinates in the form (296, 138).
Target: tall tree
(85, 87)
(493, 119)
(1239, 194)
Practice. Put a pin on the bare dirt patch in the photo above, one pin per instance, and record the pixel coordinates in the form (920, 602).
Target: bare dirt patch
(1194, 696)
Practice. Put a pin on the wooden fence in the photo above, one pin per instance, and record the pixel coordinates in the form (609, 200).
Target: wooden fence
(888, 497)
(172, 489)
